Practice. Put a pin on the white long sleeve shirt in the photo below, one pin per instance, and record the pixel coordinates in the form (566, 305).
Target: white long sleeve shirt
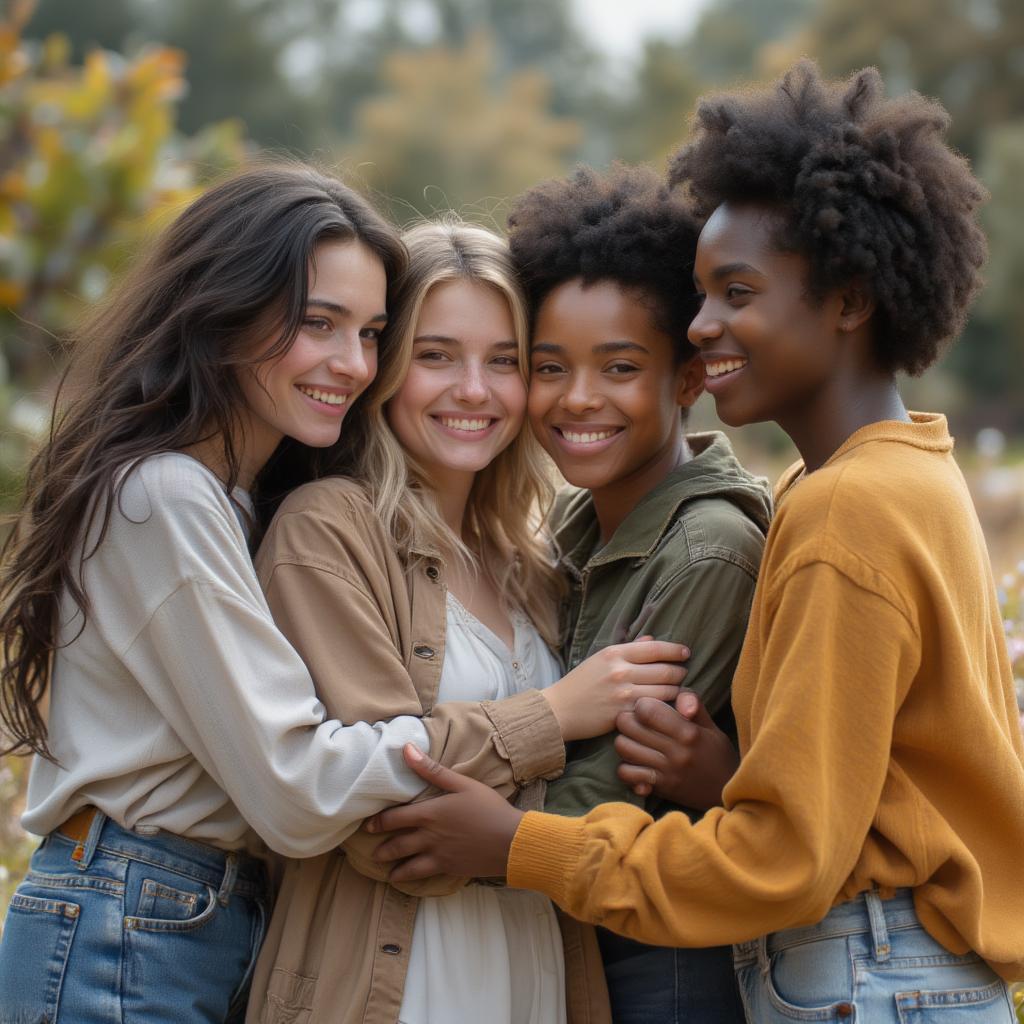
(180, 706)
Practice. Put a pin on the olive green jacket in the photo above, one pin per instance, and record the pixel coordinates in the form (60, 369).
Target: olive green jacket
(682, 566)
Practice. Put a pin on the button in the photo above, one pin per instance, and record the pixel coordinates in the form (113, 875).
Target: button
(844, 1010)
(433, 573)
(391, 949)
(423, 651)
(515, 664)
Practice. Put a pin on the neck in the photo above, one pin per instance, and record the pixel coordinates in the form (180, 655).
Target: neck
(452, 498)
(614, 501)
(253, 453)
(839, 411)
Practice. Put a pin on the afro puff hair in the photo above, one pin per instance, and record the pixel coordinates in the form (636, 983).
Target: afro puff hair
(625, 226)
(868, 188)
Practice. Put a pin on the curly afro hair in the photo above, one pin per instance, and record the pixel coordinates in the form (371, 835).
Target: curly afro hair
(868, 189)
(625, 226)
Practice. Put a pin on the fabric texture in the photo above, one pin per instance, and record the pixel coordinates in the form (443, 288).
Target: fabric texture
(877, 723)
(487, 952)
(180, 706)
(682, 566)
(337, 948)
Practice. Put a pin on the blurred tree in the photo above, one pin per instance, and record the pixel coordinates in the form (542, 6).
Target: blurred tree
(88, 157)
(448, 131)
(728, 44)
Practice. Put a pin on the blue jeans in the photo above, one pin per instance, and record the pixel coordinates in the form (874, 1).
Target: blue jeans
(131, 928)
(662, 985)
(868, 961)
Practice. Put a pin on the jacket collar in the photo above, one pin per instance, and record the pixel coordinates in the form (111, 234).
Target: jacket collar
(712, 472)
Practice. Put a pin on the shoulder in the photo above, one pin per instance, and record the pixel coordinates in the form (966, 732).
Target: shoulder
(169, 479)
(331, 524)
(716, 527)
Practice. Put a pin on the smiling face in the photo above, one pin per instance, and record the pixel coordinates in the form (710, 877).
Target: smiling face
(305, 392)
(463, 399)
(770, 350)
(606, 390)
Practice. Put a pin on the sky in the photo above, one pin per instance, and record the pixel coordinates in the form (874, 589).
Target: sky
(619, 28)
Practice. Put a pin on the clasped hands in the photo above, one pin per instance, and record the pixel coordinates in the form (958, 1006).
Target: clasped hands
(675, 751)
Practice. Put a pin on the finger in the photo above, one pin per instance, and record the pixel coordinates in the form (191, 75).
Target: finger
(633, 731)
(405, 844)
(658, 693)
(638, 777)
(643, 651)
(692, 707)
(657, 717)
(430, 771)
(422, 866)
(637, 753)
(395, 819)
(660, 673)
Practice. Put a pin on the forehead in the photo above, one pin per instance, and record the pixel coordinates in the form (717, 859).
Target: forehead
(465, 310)
(592, 313)
(740, 231)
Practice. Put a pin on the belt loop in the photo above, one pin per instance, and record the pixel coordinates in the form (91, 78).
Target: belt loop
(879, 931)
(83, 853)
(228, 882)
(762, 956)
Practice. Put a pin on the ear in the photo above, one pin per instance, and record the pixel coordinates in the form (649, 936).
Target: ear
(857, 306)
(689, 381)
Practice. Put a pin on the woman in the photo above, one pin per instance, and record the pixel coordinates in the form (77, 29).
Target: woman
(866, 862)
(182, 727)
(425, 576)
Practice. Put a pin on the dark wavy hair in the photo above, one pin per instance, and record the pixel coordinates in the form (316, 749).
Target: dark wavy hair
(624, 226)
(867, 189)
(156, 369)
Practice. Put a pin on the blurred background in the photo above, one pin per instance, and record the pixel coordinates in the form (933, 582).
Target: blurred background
(113, 113)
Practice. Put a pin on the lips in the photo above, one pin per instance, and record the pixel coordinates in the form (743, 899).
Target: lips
(326, 396)
(585, 439)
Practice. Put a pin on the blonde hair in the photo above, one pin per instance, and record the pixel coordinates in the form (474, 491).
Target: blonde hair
(502, 535)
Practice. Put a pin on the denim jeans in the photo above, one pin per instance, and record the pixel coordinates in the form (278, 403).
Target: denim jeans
(870, 961)
(127, 928)
(662, 985)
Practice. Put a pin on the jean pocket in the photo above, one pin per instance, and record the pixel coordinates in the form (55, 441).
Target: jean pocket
(165, 908)
(808, 981)
(33, 956)
(988, 1003)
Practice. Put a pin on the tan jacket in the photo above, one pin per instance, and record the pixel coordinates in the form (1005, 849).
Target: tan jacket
(373, 636)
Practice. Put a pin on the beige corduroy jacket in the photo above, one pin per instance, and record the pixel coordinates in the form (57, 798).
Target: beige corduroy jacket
(373, 636)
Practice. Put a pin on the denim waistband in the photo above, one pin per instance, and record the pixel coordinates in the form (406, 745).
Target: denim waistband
(226, 871)
(866, 913)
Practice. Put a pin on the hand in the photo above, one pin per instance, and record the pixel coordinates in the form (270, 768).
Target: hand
(468, 831)
(587, 699)
(678, 752)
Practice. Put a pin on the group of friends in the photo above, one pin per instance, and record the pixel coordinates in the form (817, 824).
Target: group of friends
(342, 715)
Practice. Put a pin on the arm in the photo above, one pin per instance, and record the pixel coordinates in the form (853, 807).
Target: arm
(796, 814)
(705, 605)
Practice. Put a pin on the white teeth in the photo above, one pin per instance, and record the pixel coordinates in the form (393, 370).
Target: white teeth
(716, 369)
(323, 396)
(587, 438)
(464, 424)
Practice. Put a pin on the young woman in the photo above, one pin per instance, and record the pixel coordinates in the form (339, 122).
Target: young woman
(182, 727)
(425, 577)
(867, 857)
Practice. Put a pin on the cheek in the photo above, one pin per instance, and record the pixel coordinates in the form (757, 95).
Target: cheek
(514, 397)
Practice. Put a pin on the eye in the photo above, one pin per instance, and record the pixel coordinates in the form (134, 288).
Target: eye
(319, 324)
(371, 334)
(737, 291)
(618, 369)
(506, 362)
(433, 356)
(548, 369)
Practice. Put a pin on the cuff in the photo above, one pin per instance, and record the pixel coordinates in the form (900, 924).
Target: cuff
(528, 734)
(545, 854)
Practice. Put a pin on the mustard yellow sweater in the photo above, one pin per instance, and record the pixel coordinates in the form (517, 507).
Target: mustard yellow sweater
(877, 723)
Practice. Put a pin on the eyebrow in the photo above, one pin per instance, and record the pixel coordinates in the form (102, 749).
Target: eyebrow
(726, 269)
(447, 340)
(602, 349)
(334, 307)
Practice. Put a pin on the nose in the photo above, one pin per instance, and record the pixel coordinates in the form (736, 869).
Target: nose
(349, 359)
(705, 326)
(471, 387)
(579, 397)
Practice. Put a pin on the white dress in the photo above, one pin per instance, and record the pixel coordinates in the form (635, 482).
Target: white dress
(487, 954)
